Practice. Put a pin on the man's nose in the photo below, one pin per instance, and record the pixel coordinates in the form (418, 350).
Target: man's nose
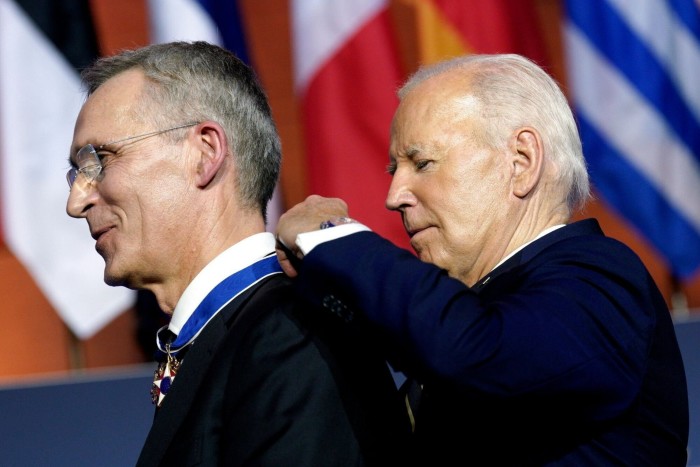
(399, 195)
(80, 197)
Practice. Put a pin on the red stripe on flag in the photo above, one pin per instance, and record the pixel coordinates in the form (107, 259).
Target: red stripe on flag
(347, 112)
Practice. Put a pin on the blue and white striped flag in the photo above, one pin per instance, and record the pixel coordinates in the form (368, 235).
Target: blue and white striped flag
(634, 76)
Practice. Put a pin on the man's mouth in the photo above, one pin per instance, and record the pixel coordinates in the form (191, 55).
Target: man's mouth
(412, 231)
(97, 233)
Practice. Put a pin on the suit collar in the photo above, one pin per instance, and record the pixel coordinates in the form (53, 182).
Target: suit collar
(584, 227)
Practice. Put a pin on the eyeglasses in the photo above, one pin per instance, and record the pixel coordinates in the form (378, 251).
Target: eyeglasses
(89, 164)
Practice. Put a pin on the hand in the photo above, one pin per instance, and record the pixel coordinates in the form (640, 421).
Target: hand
(304, 217)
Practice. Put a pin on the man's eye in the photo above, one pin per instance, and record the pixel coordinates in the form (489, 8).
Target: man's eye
(104, 157)
(92, 171)
(422, 164)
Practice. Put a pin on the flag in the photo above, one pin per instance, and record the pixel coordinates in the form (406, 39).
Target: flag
(448, 28)
(41, 44)
(219, 22)
(350, 58)
(633, 72)
(347, 69)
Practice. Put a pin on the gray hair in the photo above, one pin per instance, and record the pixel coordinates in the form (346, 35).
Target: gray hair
(512, 92)
(197, 81)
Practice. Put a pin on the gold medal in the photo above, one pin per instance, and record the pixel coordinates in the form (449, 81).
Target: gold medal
(163, 377)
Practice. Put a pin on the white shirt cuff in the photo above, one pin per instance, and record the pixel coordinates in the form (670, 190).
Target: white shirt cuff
(309, 240)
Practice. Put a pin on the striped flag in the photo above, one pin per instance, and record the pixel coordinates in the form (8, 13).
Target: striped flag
(216, 21)
(347, 69)
(40, 97)
(633, 70)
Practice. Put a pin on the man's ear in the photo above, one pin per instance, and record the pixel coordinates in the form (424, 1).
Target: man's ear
(528, 161)
(212, 148)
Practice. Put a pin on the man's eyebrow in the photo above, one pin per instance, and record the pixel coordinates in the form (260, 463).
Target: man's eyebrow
(407, 154)
(413, 151)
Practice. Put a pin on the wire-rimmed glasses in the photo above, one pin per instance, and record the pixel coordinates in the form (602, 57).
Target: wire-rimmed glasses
(88, 163)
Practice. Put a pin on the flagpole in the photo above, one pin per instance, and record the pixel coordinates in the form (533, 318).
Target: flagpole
(76, 351)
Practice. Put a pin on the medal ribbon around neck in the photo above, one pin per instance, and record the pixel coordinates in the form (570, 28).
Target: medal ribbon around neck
(220, 296)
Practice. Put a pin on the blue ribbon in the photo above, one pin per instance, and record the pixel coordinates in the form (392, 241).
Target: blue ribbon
(220, 296)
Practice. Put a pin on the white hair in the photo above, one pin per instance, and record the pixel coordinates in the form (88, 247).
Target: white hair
(511, 92)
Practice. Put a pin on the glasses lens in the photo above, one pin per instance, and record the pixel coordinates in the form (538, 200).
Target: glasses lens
(88, 164)
(91, 171)
(70, 176)
(87, 156)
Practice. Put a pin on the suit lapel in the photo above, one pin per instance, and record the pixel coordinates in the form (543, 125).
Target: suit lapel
(177, 403)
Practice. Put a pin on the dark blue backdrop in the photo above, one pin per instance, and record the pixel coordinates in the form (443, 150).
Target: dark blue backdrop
(102, 419)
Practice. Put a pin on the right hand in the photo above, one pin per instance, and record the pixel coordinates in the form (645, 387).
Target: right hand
(304, 217)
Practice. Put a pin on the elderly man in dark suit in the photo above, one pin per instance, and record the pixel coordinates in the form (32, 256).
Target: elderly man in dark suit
(528, 339)
(175, 156)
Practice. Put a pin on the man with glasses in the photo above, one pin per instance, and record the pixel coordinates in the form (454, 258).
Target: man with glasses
(174, 158)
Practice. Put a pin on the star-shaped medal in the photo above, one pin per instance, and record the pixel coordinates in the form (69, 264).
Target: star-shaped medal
(163, 378)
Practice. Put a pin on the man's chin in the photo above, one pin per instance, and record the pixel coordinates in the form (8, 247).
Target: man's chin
(114, 280)
(420, 249)
(422, 253)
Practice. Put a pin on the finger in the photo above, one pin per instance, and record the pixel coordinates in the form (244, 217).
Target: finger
(288, 269)
(286, 259)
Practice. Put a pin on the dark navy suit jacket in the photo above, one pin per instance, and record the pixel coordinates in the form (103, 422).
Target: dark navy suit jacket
(269, 383)
(563, 355)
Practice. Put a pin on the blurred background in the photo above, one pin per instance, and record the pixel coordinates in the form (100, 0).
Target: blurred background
(331, 67)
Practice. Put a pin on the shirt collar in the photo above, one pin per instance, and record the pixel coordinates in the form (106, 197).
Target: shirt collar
(233, 259)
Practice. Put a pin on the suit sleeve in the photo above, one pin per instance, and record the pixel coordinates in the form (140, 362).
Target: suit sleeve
(565, 328)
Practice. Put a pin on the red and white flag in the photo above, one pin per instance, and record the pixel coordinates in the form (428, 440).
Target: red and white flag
(347, 71)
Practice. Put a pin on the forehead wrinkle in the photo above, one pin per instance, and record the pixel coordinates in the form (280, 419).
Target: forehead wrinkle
(122, 98)
(458, 109)
(448, 107)
(409, 152)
